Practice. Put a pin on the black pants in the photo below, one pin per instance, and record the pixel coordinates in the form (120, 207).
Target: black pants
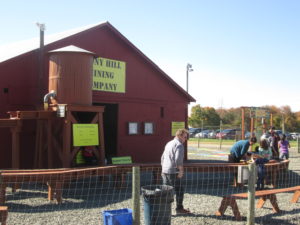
(233, 159)
(177, 184)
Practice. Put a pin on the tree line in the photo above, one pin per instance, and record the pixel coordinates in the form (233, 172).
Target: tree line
(282, 118)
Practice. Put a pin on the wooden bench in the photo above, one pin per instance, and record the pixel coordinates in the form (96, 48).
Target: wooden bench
(263, 195)
(3, 214)
(55, 179)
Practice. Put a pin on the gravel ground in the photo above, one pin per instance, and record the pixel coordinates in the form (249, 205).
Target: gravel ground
(85, 200)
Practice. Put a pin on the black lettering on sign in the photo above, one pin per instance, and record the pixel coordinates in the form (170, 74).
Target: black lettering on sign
(105, 86)
(98, 61)
(103, 74)
(113, 64)
(96, 85)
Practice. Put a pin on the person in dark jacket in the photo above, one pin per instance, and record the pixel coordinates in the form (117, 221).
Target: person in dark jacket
(273, 141)
(240, 148)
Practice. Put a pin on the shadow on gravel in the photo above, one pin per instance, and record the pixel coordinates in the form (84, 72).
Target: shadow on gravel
(265, 220)
(35, 203)
(271, 218)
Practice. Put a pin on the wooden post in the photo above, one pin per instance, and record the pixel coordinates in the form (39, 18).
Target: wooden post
(66, 160)
(101, 139)
(271, 120)
(49, 141)
(136, 195)
(15, 147)
(252, 125)
(243, 123)
(264, 125)
(251, 194)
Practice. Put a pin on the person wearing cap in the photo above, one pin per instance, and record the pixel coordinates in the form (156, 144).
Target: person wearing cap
(240, 148)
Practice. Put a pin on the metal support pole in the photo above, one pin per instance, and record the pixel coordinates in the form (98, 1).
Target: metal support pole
(188, 69)
(251, 194)
(187, 80)
(136, 195)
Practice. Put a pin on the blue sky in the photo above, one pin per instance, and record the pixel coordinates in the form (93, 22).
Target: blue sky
(244, 53)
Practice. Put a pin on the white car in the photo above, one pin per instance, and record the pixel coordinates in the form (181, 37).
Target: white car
(203, 134)
(213, 133)
(295, 135)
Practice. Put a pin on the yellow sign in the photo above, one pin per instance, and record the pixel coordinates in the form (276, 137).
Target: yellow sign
(121, 160)
(262, 113)
(176, 126)
(257, 112)
(109, 75)
(85, 135)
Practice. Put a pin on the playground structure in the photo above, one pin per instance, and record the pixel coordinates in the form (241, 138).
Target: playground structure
(256, 113)
(68, 103)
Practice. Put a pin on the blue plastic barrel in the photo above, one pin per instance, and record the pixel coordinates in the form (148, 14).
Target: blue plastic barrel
(117, 217)
(157, 204)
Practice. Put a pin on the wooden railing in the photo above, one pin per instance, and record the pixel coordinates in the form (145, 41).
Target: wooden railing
(56, 178)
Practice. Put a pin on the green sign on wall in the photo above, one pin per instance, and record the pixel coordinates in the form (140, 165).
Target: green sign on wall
(176, 126)
(121, 160)
(85, 135)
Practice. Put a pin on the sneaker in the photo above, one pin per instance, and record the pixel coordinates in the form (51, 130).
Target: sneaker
(183, 211)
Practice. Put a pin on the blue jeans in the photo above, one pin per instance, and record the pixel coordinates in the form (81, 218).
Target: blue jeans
(177, 184)
(260, 162)
(284, 155)
(260, 176)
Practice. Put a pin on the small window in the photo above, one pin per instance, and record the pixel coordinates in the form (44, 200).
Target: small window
(133, 128)
(148, 128)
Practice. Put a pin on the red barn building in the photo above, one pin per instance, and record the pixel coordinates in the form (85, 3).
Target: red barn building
(146, 101)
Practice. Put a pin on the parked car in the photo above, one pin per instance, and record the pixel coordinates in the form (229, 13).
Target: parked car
(279, 132)
(287, 134)
(227, 134)
(203, 134)
(295, 135)
(193, 131)
(213, 133)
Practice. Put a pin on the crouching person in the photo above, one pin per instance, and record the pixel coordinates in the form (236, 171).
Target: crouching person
(239, 149)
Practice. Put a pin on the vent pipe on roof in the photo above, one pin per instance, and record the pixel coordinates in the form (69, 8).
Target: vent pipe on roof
(40, 88)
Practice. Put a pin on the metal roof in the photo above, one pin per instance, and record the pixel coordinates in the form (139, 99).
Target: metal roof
(11, 50)
(72, 48)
